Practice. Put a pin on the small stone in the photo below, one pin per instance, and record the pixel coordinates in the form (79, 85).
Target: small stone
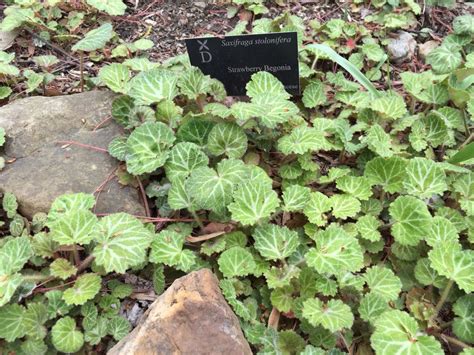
(402, 47)
(425, 48)
(190, 317)
(7, 38)
(200, 4)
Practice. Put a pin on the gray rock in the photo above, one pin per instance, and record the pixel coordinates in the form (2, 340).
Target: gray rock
(402, 47)
(7, 38)
(200, 4)
(42, 169)
(425, 48)
(190, 317)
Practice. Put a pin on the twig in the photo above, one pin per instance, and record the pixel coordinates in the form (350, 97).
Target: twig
(454, 341)
(274, 319)
(85, 263)
(43, 290)
(349, 349)
(101, 187)
(204, 237)
(83, 145)
(99, 125)
(81, 64)
(145, 201)
(154, 219)
(467, 141)
(75, 253)
(53, 46)
(443, 298)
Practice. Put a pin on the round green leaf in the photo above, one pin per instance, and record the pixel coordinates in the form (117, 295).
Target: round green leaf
(228, 139)
(122, 242)
(66, 338)
(85, 288)
(236, 261)
(397, 332)
(333, 315)
(148, 147)
(274, 242)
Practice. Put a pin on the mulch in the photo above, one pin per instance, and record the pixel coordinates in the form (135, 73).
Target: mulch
(168, 22)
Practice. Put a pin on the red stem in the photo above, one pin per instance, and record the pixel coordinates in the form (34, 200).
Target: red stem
(83, 145)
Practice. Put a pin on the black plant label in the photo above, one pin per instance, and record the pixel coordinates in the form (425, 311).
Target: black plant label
(233, 59)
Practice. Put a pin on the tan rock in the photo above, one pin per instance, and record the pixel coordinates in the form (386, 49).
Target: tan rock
(191, 317)
(425, 48)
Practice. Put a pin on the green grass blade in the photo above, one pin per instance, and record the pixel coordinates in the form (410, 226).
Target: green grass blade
(464, 154)
(348, 66)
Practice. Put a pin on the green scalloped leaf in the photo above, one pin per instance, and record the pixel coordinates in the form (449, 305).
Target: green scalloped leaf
(167, 248)
(316, 206)
(115, 76)
(378, 141)
(184, 158)
(253, 202)
(14, 254)
(282, 299)
(12, 322)
(444, 59)
(424, 178)
(10, 204)
(85, 288)
(65, 336)
(411, 220)
(386, 172)
(344, 206)
(122, 242)
(303, 139)
(118, 148)
(295, 198)
(227, 138)
(62, 269)
(153, 86)
(112, 7)
(390, 106)
(274, 242)
(118, 327)
(5, 91)
(73, 227)
(236, 261)
(212, 189)
(383, 282)
(395, 332)
(357, 186)
(35, 317)
(265, 83)
(372, 306)
(94, 39)
(426, 275)
(194, 83)
(148, 147)
(368, 226)
(335, 252)
(269, 109)
(463, 324)
(70, 202)
(333, 315)
(455, 264)
(314, 94)
(441, 231)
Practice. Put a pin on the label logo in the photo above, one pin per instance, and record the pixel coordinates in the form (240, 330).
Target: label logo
(206, 56)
